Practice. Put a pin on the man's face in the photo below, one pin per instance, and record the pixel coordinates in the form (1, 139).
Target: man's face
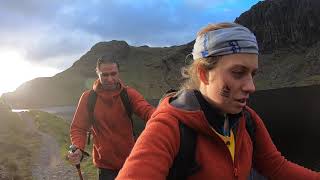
(108, 76)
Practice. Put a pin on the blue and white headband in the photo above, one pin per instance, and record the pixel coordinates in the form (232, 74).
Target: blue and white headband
(225, 41)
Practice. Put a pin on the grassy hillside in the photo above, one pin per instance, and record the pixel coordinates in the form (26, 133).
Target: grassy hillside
(289, 68)
(17, 146)
(57, 90)
(152, 71)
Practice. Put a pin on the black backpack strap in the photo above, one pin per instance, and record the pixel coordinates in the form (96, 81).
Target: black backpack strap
(250, 126)
(92, 99)
(251, 129)
(185, 164)
(128, 106)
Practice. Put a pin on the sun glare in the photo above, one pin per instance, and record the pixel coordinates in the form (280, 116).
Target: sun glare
(14, 71)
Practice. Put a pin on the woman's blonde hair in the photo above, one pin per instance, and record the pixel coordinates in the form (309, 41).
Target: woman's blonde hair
(190, 73)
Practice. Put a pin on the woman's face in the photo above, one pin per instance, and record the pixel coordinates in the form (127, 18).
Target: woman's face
(229, 84)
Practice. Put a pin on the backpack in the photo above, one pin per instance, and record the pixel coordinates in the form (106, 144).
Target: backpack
(185, 164)
(92, 102)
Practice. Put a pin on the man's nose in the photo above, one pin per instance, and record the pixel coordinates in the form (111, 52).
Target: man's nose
(109, 78)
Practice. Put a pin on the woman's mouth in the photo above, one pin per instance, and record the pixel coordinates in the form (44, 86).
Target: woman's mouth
(242, 101)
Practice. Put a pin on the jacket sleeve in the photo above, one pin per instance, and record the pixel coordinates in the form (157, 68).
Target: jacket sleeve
(80, 123)
(269, 161)
(140, 106)
(154, 152)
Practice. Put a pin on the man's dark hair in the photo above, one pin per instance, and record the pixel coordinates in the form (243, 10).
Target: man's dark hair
(106, 60)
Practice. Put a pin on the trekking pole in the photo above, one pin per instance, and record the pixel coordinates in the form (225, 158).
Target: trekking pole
(73, 148)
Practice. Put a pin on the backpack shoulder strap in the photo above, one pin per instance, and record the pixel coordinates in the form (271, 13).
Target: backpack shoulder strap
(92, 99)
(91, 104)
(126, 102)
(250, 126)
(185, 163)
(128, 106)
(251, 129)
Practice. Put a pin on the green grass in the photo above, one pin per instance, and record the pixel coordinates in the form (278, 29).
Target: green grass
(59, 128)
(18, 146)
(309, 81)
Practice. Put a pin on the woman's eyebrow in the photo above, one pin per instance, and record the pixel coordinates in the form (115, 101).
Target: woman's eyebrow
(240, 66)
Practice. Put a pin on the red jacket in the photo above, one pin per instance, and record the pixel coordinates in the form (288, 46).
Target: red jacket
(112, 129)
(156, 148)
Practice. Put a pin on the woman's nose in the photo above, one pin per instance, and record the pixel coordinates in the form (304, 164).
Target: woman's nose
(249, 86)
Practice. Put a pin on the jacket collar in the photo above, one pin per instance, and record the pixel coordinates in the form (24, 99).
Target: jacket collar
(192, 100)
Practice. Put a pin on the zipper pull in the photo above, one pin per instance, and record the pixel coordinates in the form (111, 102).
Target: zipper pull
(236, 172)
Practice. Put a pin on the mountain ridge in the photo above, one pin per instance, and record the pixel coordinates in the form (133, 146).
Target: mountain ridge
(290, 56)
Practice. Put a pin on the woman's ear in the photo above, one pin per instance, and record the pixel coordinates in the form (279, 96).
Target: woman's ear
(203, 75)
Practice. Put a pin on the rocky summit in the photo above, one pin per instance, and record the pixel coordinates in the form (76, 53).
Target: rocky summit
(284, 23)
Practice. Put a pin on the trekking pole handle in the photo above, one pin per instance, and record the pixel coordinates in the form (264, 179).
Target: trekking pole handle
(73, 148)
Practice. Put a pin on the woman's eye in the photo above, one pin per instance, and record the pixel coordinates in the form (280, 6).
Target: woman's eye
(237, 74)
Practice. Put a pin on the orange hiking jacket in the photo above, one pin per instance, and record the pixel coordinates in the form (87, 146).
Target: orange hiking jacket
(112, 129)
(156, 148)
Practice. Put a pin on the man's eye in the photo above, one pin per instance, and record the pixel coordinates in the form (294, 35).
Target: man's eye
(104, 74)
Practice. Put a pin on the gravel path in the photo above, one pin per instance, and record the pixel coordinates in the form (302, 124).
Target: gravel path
(3, 173)
(49, 165)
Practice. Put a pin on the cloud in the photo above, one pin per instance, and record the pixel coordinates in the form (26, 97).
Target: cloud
(158, 23)
(15, 13)
(53, 31)
(55, 43)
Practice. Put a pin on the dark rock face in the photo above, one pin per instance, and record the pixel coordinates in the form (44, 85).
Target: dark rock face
(284, 23)
(288, 34)
(291, 116)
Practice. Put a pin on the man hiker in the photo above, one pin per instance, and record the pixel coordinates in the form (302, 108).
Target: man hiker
(110, 122)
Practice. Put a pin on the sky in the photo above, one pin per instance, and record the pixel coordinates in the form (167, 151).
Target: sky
(41, 38)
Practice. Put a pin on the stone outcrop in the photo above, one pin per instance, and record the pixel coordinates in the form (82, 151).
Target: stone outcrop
(278, 24)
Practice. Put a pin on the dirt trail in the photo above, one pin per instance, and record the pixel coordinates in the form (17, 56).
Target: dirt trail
(49, 165)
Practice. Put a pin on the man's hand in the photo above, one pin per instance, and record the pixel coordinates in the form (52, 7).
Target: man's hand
(75, 157)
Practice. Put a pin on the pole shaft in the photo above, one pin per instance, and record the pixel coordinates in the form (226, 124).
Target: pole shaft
(80, 174)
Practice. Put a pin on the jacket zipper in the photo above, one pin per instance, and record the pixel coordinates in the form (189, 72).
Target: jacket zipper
(234, 168)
